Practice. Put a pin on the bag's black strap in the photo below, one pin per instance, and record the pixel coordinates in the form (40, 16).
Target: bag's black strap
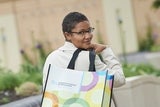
(73, 59)
(91, 59)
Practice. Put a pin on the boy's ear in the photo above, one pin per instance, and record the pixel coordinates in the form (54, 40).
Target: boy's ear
(67, 36)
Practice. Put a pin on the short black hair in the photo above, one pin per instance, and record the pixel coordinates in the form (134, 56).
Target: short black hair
(71, 19)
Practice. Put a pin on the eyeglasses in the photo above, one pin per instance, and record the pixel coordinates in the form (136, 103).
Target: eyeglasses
(90, 30)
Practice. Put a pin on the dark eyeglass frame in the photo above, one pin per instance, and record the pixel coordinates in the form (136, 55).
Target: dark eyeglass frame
(90, 30)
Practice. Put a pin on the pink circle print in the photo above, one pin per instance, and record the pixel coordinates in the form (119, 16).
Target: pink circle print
(92, 84)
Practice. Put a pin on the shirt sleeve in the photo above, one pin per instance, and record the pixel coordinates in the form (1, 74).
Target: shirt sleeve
(111, 63)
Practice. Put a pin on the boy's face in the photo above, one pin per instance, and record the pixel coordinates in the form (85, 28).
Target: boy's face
(81, 35)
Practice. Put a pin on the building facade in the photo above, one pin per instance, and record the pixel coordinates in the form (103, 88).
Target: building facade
(24, 23)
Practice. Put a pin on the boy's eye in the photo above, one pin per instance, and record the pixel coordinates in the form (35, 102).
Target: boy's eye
(90, 30)
(81, 32)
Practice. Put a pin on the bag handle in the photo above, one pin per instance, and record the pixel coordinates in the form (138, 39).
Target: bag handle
(73, 59)
(91, 66)
(91, 59)
(92, 56)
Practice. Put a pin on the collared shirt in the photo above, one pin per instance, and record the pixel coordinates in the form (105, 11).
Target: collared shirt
(62, 56)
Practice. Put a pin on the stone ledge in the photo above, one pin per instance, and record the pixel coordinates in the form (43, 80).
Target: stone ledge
(136, 81)
(33, 101)
(139, 91)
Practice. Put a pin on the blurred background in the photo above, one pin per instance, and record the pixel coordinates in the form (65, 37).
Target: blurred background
(31, 29)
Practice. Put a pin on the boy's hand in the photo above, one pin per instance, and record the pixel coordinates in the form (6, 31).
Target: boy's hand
(98, 47)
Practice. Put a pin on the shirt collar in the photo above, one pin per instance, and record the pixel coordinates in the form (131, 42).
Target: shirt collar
(68, 46)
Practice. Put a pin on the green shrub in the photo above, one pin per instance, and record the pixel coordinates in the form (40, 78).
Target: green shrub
(35, 77)
(30, 70)
(4, 100)
(140, 69)
(8, 81)
(145, 44)
(27, 89)
(156, 4)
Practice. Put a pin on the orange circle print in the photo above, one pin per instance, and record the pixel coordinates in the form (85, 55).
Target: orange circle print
(52, 97)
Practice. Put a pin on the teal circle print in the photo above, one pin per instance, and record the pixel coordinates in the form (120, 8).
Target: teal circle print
(71, 101)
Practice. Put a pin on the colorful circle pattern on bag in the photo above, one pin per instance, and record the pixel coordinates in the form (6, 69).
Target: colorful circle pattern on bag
(71, 101)
(92, 84)
(90, 94)
(95, 96)
(52, 97)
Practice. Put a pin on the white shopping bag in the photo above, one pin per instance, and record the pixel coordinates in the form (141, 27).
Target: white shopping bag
(72, 88)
